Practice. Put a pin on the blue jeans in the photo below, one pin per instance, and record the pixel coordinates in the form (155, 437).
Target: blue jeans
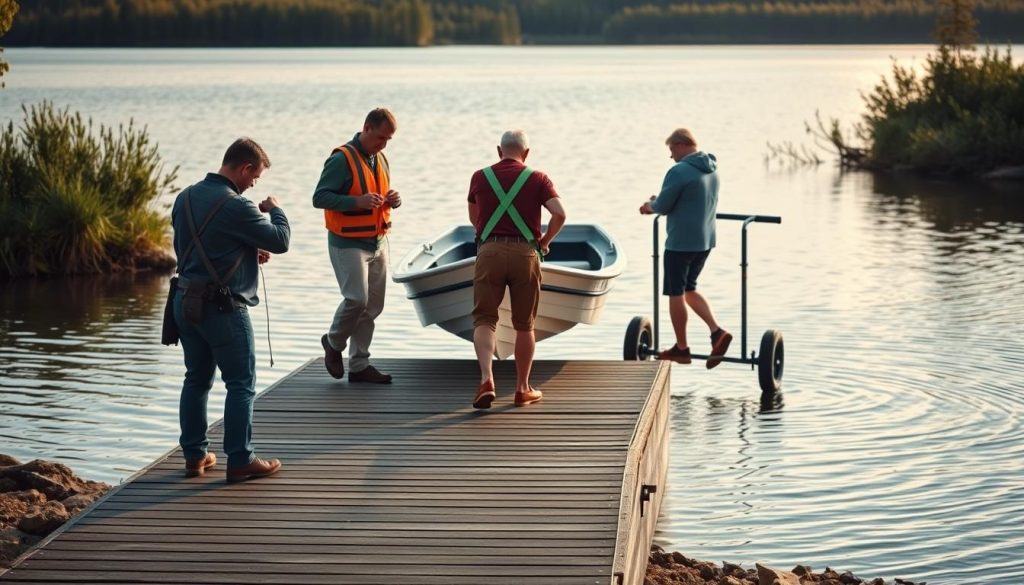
(225, 341)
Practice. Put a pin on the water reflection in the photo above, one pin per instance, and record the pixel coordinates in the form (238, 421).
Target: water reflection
(899, 447)
(80, 367)
(951, 207)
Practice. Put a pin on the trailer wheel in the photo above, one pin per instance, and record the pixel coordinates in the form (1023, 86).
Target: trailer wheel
(639, 339)
(770, 360)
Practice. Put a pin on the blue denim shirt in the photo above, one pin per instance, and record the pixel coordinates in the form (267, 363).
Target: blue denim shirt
(238, 229)
(689, 200)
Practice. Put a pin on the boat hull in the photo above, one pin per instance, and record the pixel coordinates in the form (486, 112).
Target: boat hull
(438, 278)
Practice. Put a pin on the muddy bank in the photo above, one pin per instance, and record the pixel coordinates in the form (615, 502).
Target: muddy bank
(35, 499)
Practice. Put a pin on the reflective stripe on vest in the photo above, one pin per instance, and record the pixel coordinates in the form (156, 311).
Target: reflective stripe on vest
(362, 223)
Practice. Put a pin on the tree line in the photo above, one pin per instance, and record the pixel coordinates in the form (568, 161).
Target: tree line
(433, 22)
(8, 8)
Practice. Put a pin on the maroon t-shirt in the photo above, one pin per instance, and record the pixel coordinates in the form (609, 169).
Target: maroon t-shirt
(535, 193)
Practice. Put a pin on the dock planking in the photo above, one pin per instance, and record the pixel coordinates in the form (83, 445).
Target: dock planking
(400, 484)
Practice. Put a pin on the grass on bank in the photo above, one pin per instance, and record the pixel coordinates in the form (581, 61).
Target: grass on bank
(76, 200)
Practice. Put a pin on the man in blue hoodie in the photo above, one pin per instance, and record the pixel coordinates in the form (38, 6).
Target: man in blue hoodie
(689, 199)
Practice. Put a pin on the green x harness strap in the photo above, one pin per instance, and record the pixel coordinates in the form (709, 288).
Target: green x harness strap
(505, 207)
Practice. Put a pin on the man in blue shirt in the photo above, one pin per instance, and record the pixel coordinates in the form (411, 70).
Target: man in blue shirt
(217, 280)
(689, 200)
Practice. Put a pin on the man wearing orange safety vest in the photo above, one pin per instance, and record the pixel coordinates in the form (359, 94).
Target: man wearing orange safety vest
(355, 193)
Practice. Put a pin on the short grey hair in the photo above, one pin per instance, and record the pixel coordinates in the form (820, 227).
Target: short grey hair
(515, 140)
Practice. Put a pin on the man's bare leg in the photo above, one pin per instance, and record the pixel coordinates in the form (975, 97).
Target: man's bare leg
(720, 338)
(677, 310)
(484, 340)
(526, 345)
(700, 305)
(526, 342)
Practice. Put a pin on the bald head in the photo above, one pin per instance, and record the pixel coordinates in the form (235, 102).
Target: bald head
(514, 143)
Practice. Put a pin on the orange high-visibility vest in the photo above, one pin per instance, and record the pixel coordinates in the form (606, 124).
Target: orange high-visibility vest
(362, 223)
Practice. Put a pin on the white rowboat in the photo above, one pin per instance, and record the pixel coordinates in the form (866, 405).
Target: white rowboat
(576, 277)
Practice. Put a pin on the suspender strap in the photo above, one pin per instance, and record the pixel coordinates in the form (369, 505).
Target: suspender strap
(209, 217)
(505, 205)
(199, 244)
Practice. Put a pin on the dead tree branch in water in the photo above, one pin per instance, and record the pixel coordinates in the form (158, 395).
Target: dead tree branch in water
(831, 138)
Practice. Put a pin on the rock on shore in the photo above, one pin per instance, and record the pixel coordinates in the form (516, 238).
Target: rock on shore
(673, 568)
(36, 498)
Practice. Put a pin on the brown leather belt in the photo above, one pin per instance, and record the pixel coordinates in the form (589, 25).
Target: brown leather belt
(518, 239)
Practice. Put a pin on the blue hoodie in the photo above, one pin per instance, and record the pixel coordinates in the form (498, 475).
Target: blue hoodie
(689, 197)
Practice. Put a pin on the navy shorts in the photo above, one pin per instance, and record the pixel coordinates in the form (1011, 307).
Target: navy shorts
(682, 270)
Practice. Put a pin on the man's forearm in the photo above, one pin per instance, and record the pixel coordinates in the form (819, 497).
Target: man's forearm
(325, 199)
(554, 226)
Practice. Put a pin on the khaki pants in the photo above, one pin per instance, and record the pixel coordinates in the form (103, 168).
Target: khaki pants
(362, 278)
(503, 263)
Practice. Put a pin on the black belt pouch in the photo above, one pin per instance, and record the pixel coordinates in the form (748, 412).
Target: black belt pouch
(192, 304)
(169, 332)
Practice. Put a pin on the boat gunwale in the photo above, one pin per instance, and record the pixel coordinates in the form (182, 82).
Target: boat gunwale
(604, 273)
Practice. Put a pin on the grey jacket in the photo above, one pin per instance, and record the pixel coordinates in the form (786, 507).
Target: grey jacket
(238, 230)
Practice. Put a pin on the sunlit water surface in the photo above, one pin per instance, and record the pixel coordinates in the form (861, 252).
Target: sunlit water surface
(896, 447)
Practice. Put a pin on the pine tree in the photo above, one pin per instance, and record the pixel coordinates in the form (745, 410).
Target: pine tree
(8, 8)
(956, 28)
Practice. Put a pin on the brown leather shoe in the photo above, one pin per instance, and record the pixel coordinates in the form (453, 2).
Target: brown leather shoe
(528, 397)
(197, 468)
(369, 374)
(332, 359)
(485, 395)
(719, 345)
(256, 469)
(679, 356)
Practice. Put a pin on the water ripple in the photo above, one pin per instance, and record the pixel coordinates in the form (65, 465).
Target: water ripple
(896, 448)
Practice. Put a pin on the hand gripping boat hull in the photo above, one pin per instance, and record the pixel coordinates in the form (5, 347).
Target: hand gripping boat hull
(575, 280)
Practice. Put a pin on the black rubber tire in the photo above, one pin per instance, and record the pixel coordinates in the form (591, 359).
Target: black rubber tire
(639, 336)
(770, 360)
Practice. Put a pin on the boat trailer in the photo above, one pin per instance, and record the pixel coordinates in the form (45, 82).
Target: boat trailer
(641, 341)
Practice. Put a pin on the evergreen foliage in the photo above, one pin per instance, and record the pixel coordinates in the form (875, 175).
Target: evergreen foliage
(75, 201)
(956, 26)
(964, 116)
(426, 22)
(8, 8)
(796, 21)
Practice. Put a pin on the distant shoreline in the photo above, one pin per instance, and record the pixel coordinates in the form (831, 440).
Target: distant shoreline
(552, 42)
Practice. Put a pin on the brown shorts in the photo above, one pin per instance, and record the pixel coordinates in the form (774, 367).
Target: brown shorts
(513, 264)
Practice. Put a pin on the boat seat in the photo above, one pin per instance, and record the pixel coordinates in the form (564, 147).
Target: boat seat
(578, 264)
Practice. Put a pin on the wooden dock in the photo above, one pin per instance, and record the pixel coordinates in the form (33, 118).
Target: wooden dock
(399, 484)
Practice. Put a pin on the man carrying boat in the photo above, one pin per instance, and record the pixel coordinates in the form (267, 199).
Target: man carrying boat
(355, 193)
(689, 200)
(505, 201)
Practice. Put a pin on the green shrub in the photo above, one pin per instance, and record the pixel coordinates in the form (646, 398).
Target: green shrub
(963, 116)
(78, 201)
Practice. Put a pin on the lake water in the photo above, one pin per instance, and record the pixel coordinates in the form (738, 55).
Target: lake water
(897, 446)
